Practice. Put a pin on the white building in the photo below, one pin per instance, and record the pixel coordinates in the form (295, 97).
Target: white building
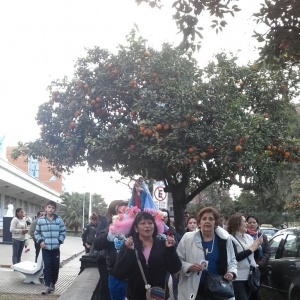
(22, 190)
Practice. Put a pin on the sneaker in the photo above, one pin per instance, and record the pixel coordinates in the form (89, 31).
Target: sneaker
(47, 290)
(52, 287)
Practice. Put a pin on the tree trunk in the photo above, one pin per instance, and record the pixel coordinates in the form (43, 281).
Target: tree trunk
(179, 207)
(76, 231)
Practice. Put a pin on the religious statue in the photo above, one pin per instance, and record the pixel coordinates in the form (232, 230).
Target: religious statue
(141, 196)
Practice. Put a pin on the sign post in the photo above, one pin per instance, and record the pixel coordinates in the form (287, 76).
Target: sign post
(160, 197)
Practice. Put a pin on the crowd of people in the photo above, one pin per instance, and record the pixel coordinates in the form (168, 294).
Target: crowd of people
(149, 259)
(146, 260)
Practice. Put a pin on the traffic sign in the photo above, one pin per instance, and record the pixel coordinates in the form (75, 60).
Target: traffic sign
(159, 193)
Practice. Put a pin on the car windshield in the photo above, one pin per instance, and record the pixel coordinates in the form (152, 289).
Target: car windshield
(268, 231)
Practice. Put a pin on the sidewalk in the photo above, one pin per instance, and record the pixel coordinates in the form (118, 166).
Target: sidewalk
(12, 282)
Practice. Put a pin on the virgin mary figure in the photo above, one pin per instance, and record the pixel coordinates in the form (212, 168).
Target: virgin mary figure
(141, 196)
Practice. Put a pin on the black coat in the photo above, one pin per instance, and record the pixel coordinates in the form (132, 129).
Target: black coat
(101, 243)
(89, 233)
(161, 260)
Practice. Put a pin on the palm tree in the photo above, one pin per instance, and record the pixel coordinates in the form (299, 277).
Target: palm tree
(71, 210)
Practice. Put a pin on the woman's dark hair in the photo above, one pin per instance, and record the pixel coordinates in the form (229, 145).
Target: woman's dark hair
(17, 211)
(253, 217)
(168, 213)
(187, 222)
(208, 210)
(139, 217)
(234, 222)
(94, 217)
(111, 211)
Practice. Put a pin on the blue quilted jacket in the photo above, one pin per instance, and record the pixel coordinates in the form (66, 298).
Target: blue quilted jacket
(53, 232)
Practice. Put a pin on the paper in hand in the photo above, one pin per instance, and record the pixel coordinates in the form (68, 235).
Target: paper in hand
(204, 263)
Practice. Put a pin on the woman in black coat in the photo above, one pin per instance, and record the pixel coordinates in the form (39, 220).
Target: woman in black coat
(157, 257)
(89, 232)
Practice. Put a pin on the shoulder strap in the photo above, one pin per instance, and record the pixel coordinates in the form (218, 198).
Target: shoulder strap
(147, 286)
(243, 248)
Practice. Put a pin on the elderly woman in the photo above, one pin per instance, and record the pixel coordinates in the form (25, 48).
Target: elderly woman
(244, 246)
(210, 243)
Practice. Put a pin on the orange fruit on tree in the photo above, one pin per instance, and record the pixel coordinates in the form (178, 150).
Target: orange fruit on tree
(241, 140)
(109, 65)
(93, 102)
(142, 128)
(133, 83)
(166, 127)
(150, 132)
(77, 113)
(86, 86)
(147, 53)
(132, 146)
(295, 148)
(238, 148)
(268, 147)
(159, 127)
(211, 150)
(203, 154)
(287, 154)
(116, 71)
(274, 148)
(279, 149)
(98, 99)
(71, 125)
(145, 132)
(191, 150)
(239, 165)
(266, 115)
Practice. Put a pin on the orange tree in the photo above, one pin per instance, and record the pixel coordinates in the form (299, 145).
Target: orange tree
(155, 113)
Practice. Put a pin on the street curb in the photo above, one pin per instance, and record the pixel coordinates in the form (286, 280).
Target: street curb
(60, 265)
(70, 258)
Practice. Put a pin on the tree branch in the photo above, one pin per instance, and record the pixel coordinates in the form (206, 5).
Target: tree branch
(201, 188)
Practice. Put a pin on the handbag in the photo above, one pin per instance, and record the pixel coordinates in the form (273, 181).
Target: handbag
(152, 293)
(254, 275)
(97, 255)
(254, 279)
(216, 284)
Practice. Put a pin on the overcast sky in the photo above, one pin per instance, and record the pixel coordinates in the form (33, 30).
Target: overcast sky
(41, 40)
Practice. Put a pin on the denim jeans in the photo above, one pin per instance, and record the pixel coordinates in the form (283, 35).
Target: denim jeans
(17, 250)
(51, 260)
(241, 289)
(117, 288)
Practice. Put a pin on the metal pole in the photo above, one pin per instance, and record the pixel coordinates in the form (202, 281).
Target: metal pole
(90, 207)
(83, 205)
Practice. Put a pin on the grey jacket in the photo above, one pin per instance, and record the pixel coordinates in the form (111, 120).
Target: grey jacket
(32, 229)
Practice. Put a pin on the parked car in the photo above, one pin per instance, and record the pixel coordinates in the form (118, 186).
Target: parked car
(283, 278)
(268, 231)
